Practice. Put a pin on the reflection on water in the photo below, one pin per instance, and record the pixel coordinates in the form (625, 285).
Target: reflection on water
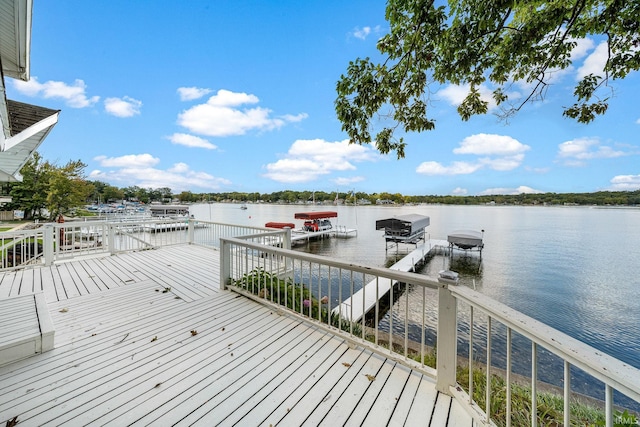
(575, 269)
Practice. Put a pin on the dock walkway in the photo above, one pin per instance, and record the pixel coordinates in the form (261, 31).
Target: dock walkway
(146, 338)
(364, 300)
(339, 231)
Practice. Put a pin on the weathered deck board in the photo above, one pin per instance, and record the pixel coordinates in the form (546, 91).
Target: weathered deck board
(125, 353)
(190, 271)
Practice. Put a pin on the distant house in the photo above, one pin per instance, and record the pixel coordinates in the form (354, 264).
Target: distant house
(24, 126)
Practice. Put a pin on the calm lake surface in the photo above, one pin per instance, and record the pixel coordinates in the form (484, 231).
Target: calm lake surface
(576, 269)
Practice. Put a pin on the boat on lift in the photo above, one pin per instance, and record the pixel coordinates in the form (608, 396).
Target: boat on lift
(466, 239)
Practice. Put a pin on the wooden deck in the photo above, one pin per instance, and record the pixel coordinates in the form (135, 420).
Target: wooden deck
(145, 338)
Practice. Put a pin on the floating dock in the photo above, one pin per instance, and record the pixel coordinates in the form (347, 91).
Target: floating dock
(316, 226)
(338, 231)
(358, 305)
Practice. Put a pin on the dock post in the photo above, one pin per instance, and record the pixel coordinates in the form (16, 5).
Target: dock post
(446, 358)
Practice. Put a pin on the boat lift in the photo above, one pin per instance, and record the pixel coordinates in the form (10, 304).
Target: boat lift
(405, 229)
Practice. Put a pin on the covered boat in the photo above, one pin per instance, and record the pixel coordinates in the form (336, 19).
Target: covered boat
(316, 221)
(403, 228)
(280, 225)
(466, 239)
(316, 215)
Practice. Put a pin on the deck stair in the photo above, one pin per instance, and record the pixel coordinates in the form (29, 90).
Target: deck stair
(26, 329)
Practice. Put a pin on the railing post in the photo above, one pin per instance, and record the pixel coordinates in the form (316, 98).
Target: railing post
(190, 231)
(48, 241)
(111, 238)
(225, 263)
(446, 347)
(286, 240)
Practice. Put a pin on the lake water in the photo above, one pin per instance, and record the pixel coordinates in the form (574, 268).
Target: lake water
(576, 269)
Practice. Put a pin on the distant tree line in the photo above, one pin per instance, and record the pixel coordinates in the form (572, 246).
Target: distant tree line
(48, 190)
(600, 198)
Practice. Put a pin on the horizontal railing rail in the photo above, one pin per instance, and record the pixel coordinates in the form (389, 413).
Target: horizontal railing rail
(615, 374)
(20, 248)
(208, 233)
(61, 241)
(425, 328)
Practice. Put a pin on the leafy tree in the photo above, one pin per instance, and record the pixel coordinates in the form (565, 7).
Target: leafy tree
(475, 44)
(67, 189)
(30, 194)
(106, 192)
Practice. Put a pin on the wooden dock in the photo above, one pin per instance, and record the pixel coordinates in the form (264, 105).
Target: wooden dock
(146, 338)
(302, 236)
(364, 300)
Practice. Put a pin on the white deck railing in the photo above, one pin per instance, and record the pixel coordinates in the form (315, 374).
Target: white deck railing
(60, 241)
(312, 286)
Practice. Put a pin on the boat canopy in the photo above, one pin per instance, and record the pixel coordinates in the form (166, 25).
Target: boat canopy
(280, 225)
(316, 215)
(403, 225)
(466, 239)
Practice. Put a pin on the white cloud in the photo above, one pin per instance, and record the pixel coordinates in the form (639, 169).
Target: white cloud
(191, 93)
(491, 144)
(575, 152)
(129, 160)
(307, 160)
(583, 46)
(594, 63)
(458, 191)
(456, 168)
(361, 33)
(500, 153)
(344, 181)
(625, 183)
(294, 119)
(523, 189)
(364, 32)
(137, 169)
(122, 107)
(191, 141)
(74, 95)
(222, 116)
(502, 163)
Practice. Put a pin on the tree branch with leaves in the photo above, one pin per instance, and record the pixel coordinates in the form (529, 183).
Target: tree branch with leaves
(482, 44)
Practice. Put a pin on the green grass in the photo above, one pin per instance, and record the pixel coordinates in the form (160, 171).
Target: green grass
(84, 213)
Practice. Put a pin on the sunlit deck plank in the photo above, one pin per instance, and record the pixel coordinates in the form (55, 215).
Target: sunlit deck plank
(389, 396)
(28, 282)
(72, 285)
(6, 284)
(423, 404)
(302, 373)
(89, 279)
(408, 397)
(338, 403)
(168, 274)
(177, 270)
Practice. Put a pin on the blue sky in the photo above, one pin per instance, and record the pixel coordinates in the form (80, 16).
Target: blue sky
(238, 96)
